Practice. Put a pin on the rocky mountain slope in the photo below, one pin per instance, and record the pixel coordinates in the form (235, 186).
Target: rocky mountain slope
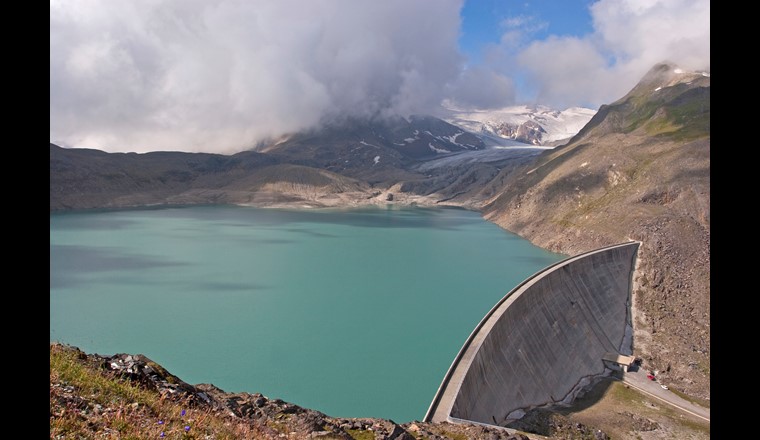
(640, 169)
(82, 179)
(345, 164)
(376, 151)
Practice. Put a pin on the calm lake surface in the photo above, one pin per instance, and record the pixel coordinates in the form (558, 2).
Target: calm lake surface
(355, 313)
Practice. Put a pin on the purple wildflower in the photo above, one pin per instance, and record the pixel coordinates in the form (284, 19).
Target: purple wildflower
(160, 422)
(162, 434)
(187, 428)
(182, 413)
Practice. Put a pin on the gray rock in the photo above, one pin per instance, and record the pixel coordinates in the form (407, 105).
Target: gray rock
(396, 433)
(599, 435)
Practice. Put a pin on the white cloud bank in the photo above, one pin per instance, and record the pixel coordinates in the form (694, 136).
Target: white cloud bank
(629, 37)
(219, 75)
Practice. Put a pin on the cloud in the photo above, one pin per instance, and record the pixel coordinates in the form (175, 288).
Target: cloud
(571, 70)
(630, 36)
(524, 23)
(481, 87)
(490, 84)
(219, 75)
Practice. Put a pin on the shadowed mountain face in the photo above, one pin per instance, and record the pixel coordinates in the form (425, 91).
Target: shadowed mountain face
(361, 148)
(640, 169)
(335, 165)
(81, 179)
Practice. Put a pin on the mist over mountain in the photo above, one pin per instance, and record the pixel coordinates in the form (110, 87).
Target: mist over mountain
(220, 76)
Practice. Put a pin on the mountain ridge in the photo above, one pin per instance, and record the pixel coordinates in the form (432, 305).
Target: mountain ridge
(387, 156)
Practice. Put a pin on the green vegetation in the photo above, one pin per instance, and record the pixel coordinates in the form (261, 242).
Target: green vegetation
(695, 400)
(455, 435)
(692, 115)
(605, 406)
(641, 111)
(678, 114)
(65, 369)
(85, 400)
(620, 392)
(360, 434)
(685, 422)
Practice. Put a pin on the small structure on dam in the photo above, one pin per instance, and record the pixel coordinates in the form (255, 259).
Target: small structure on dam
(543, 341)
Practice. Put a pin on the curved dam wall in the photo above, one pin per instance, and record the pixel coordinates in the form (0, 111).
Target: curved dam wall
(543, 341)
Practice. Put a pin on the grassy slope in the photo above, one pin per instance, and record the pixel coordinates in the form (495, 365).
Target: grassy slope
(86, 400)
(625, 413)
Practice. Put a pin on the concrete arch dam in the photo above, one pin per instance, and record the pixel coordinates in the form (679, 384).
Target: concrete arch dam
(543, 341)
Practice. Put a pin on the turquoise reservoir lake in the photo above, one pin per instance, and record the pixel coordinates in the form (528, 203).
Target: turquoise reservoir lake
(355, 313)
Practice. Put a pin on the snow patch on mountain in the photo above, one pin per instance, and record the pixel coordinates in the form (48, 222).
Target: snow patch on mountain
(368, 144)
(438, 150)
(535, 125)
(453, 139)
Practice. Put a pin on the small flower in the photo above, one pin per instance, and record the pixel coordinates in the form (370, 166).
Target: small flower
(160, 422)
(162, 434)
(183, 413)
(187, 428)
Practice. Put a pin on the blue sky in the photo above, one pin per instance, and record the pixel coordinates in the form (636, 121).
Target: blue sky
(222, 75)
(501, 28)
(485, 21)
(574, 52)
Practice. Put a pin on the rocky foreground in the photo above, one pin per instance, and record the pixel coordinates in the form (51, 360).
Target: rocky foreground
(130, 396)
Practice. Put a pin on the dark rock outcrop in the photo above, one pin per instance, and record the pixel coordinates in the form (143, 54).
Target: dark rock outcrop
(529, 132)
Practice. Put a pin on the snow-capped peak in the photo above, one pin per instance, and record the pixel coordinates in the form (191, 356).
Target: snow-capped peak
(535, 125)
